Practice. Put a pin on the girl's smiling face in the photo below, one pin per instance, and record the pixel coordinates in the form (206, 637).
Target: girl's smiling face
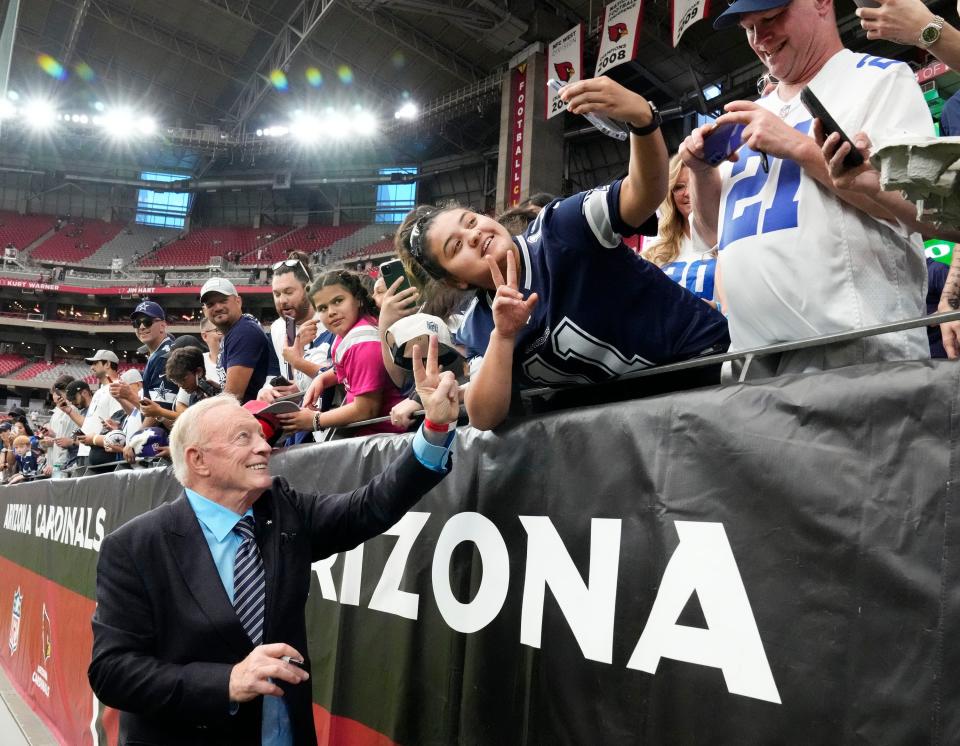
(338, 308)
(460, 240)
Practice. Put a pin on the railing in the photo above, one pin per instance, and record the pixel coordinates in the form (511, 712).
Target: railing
(748, 356)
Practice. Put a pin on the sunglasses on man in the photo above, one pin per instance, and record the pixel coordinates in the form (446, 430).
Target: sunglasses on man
(292, 263)
(144, 321)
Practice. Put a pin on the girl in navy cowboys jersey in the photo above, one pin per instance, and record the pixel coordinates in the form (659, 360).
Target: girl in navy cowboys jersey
(577, 305)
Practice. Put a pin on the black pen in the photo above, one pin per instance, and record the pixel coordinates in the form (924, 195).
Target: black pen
(763, 162)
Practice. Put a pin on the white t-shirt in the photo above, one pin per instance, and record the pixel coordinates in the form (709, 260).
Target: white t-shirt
(320, 355)
(62, 427)
(210, 368)
(102, 406)
(797, 261)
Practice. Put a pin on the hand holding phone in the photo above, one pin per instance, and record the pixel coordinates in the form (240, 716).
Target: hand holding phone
(722, 141)
(829, 126)
(606, 125)
(392, 271)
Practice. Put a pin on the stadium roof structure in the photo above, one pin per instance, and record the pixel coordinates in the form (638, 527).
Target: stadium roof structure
(193, 63)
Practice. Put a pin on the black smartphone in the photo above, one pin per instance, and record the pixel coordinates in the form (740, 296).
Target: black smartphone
(829, 124)
(391, 271)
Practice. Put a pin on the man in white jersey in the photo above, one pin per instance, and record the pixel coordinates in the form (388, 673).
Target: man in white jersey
(799, 257)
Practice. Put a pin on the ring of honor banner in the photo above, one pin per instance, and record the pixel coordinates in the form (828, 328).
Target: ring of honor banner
(619, 35)
(773, 563)
(565, 64)
(518, 109)
(684, 13)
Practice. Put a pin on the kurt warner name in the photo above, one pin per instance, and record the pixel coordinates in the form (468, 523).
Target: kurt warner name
(76, 526)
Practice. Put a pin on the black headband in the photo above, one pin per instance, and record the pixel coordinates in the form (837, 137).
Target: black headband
(417, 247)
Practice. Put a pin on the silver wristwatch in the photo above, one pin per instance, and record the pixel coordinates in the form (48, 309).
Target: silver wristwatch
(930, 33)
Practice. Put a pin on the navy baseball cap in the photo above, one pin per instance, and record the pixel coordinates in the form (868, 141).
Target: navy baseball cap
(731, 16)
(149, 308)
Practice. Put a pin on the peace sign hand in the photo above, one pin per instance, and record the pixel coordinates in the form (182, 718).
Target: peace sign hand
(438, 391)
(510, 311)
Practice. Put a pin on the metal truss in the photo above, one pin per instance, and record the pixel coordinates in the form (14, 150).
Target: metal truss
(491, 25)
(79, 15)
(455, 103)
(126, 18)
(412, 38)
(244, 10)
(106, 64)
(295, 32)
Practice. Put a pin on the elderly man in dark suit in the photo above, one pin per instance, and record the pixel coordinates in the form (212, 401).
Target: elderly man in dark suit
(199, 632)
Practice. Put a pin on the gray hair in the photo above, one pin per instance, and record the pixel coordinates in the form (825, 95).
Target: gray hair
(188, 431)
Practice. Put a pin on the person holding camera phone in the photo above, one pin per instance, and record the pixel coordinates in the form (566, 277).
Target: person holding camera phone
(302, 348)
(798, 257)
(63, 450)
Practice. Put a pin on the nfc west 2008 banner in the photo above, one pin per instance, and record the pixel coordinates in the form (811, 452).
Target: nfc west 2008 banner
(565, 65)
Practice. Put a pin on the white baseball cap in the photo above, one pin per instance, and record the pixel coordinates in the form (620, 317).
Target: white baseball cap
(131, 375)
(417, 329)
(106, 355)
(218, 285)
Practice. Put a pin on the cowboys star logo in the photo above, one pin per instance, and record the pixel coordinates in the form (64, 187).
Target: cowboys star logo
(15, 621)
(617, 31)
(564, 71)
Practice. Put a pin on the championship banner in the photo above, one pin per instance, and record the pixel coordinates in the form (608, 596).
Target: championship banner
(518, 95)
(565, 64)
(684, 13)
(765, 563)
(619, 34)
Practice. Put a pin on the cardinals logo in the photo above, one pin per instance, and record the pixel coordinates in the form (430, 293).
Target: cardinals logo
(564, 71)
(46, 637)
(617, 31)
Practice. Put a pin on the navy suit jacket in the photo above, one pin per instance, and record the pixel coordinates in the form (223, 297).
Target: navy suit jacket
(165, 635)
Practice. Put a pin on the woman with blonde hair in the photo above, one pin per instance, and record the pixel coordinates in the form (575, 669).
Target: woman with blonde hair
(678, 249)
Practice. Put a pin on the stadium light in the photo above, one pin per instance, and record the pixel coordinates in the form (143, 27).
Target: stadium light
(407, 111)
(146, 126)
(305, 128)
(366, 123)
(7, 109)
(118, 123)
(336, 125)
(39, 114)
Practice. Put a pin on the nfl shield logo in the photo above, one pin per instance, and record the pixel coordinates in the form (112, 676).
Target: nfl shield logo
(15, 621)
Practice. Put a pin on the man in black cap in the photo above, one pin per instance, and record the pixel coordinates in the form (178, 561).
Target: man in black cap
(800, 257)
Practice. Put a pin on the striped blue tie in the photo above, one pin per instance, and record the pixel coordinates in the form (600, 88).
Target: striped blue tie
(248, 581)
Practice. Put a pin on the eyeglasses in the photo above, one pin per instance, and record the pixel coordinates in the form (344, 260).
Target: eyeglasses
(144, 321)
